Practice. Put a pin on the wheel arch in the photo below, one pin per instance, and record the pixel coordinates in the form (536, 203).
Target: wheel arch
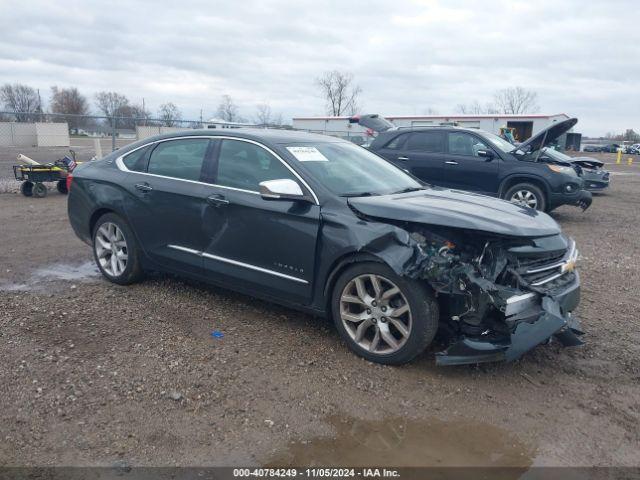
(512, 180)
(337, 267)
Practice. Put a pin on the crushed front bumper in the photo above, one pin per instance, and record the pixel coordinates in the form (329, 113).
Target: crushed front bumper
(581, 198)
(596, 181)
(549, 317)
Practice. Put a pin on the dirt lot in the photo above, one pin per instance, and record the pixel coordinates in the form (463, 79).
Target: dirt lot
(95, 374)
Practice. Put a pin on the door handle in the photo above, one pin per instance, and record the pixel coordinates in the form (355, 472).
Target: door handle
(403, 158)
(451, 162)
(217, 200)
(144, 187)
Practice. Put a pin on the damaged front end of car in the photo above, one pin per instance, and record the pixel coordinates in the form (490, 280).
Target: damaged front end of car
(499, 296)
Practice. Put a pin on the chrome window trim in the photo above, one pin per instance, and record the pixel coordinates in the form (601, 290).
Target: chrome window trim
(121, 166)
(237, 263)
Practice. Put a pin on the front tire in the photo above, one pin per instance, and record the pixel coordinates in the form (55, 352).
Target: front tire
(116, 251)
(527, 195)
(381, 316)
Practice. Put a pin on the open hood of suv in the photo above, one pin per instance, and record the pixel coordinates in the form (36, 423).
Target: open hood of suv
(457, 209)
(373, 121)
(546, 136)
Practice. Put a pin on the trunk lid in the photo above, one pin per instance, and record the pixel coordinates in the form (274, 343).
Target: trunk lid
(546, 136)
(373, 121)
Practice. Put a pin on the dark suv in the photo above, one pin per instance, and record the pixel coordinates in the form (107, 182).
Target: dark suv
(479, 161)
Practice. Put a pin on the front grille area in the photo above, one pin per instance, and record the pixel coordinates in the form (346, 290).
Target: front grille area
(549, 272)
(530, 263)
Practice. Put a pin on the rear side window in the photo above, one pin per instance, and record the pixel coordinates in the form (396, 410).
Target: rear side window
(428, 142)
(244, 165)
(179, 158)
(135, 160)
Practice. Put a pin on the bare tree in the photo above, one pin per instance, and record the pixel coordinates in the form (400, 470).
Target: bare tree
(475, 108)
(263, 114)
(112, 104)
(169, 114)
(69, 101)
(340, 93)
(631, 135)
(516, 100)
(22, 100)
(277, 119)
(228, 110)
(132, 115)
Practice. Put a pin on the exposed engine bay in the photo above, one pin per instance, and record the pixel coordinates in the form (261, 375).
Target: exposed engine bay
(499, 296)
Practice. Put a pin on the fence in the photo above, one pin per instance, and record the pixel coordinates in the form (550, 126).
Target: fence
(52, 130)
(147, 131)
(34, 134)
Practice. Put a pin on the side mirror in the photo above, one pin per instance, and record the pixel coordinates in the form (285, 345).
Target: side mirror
(486, 154)
(282, 189)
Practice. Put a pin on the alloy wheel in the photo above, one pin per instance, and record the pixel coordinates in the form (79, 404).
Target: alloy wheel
(375, 314)
(525, 198)
(111, 249)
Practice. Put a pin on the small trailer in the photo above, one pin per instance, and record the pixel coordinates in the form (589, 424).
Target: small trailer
(34, 175)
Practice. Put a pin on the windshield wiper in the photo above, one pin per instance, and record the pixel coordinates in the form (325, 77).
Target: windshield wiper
(408, 189)
(359, 194)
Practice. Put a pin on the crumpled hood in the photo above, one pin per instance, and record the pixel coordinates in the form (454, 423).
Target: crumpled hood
(457, 209)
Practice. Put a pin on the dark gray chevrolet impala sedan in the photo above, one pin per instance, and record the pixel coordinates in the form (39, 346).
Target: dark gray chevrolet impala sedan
(324, 226)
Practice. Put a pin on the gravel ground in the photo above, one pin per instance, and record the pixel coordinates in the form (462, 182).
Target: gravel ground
(97, 374)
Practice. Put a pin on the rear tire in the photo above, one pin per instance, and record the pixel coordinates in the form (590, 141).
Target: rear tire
(39, 190)
(26, 188)
(62, 186)
(381, 316)
(116, 250)
(527, 195)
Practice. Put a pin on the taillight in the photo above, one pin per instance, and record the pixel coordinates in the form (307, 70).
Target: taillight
(69, 181)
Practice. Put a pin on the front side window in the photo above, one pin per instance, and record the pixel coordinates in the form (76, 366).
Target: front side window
(179, 158)
(350, 171)
(135, 161)
(244, 165)
(427, 142)
(462, 143)
(499, 142)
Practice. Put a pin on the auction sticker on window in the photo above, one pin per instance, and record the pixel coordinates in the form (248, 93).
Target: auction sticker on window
(307, 154)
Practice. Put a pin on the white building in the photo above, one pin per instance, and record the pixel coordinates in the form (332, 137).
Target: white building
(524, 125)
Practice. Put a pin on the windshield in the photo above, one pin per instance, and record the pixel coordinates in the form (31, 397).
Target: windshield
(556, 155)
(499, 142)
(349, 170)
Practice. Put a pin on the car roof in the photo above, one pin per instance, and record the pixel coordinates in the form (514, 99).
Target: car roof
(270, 135)
(423, 128)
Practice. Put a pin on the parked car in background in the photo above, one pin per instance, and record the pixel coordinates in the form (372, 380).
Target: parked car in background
(610, 148)
(479, 161)
(632, 149)
(327, 227)
(591, 170)
(591, 148)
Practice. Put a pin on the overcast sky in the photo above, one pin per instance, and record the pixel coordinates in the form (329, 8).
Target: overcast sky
(581, 57)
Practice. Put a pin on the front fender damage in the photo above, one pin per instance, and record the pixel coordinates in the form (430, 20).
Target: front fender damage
(481, 321)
